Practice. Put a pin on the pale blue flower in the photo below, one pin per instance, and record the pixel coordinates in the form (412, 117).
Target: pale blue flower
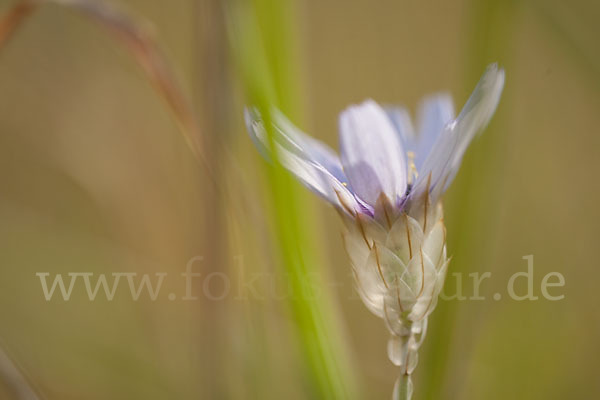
(387, 184)
(381, 151)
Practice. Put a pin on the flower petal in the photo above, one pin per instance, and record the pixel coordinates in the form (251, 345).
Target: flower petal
(311, 161)
(434, 113)
(476, 113)
(372, 153)
(401, 120)
(292, 138)
(446, 154)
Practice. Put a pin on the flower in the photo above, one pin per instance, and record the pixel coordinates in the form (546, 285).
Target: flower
(387, 186)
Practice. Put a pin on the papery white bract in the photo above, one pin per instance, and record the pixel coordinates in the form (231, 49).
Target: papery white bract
(387, 186)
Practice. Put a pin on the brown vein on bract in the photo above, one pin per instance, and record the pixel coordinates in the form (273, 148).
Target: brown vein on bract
(398, 294)
(422, 273)
(385, 213)
(361, 228)
(387, 319)
(443, 243)
(408, 236)
(426, 203)
(346, 207)
(379, 265)
(428, 304)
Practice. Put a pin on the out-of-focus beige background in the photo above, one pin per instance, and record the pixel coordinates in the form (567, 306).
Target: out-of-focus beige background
(95, 177)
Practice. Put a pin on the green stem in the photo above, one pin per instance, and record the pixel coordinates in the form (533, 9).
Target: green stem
(403, 389)
(263, 42)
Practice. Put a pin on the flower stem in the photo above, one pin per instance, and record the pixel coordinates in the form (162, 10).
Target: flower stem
(403, 389)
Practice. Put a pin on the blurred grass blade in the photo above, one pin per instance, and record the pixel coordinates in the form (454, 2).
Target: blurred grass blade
(14, 380)
(136, 34)
(262, 42)
(561, 27)
(13, 18)
(488, 43)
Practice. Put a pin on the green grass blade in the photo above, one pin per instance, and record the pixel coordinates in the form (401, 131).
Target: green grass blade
(263, 42)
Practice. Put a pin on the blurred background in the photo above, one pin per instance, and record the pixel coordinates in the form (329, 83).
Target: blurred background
(96, 177)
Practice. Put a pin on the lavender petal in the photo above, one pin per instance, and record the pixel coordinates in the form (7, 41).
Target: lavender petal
(445, 156)
(434, 113)
(372, 153)
(312, 162)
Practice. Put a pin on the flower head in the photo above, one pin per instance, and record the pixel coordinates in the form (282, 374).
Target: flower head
(381, 152)
(387, 184)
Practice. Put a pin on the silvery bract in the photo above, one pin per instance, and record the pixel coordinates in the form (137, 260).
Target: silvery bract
(387, 186)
